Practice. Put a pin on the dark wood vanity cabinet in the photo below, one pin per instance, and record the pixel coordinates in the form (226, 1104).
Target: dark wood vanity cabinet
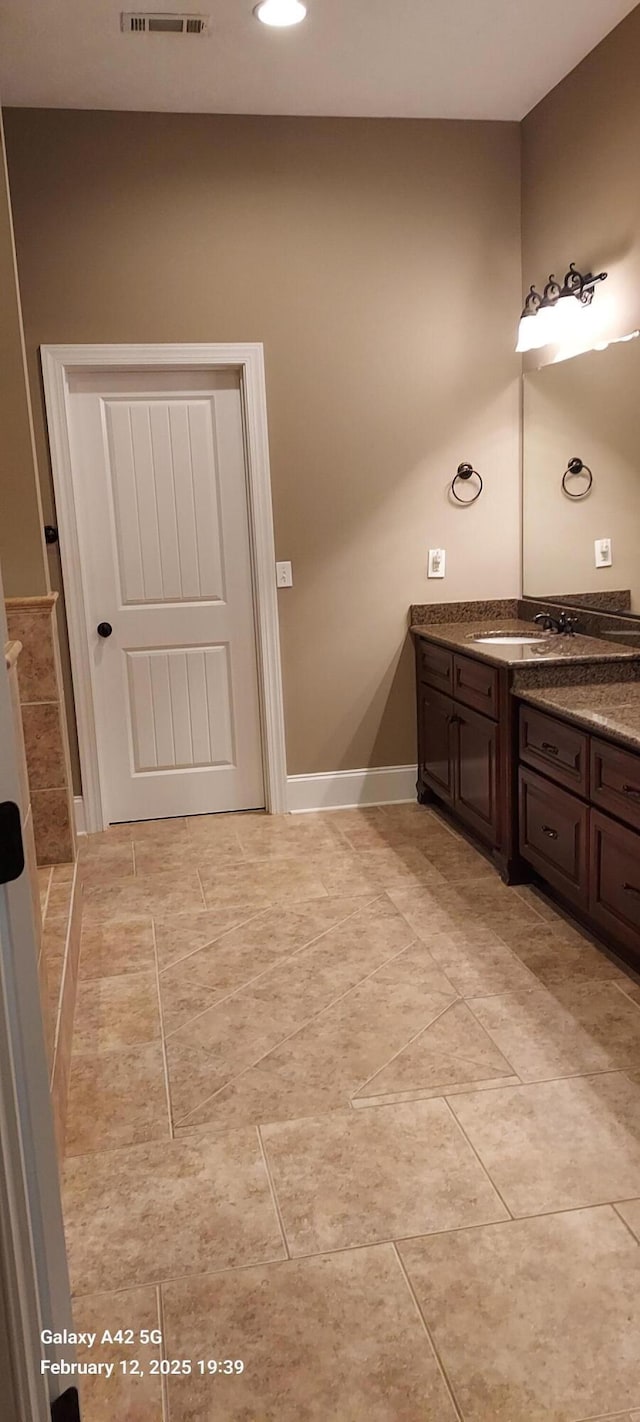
(548, 799)
(584, 842)
(554, 835)
(458, 746)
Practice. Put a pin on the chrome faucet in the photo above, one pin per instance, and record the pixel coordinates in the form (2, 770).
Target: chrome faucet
(562, 624)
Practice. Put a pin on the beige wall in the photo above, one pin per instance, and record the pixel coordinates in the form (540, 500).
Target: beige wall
(22, 552)
(586, 407)
(379, 262)
(581, 195)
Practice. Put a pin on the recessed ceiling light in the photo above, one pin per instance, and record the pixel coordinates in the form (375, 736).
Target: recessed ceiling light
(280, 12)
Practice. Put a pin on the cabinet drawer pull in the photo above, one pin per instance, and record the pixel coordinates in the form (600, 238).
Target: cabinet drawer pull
(550, 833)
(547, 746)
(631, 889)
(630, 790)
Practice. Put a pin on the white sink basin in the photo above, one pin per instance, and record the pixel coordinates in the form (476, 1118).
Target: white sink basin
(508, 639)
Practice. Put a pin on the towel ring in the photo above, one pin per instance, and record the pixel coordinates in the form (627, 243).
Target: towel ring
(465, 471)
(576, 466)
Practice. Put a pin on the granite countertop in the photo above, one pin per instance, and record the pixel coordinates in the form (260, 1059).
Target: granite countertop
(611, 710)
(550, 647)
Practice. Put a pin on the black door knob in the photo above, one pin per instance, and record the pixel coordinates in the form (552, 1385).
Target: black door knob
(104, 629)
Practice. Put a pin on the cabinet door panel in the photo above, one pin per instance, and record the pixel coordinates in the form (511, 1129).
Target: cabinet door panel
(434, 741)
(615, 881)
(476, 778)
(554, 834)
(615, 781)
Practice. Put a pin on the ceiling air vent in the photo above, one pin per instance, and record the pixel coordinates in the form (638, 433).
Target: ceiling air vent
(140, 23)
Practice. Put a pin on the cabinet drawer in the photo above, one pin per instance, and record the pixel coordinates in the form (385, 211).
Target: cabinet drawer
(435, 665)
(614, 900)
(476, 685)
(561, 751)
(554, 835)
(615, 782)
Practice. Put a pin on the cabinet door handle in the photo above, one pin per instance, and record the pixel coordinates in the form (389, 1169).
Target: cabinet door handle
(547, 746)
(631, 889)
(630, 790)
(454, 720)
(550, 833)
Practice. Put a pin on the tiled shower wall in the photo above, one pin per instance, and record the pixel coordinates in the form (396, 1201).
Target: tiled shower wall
(32, 621)
(13, 651)
(56, 897)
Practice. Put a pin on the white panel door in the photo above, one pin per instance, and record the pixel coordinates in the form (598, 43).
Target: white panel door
(160, 479)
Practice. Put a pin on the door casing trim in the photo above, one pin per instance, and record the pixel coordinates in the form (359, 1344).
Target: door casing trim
(248, 359)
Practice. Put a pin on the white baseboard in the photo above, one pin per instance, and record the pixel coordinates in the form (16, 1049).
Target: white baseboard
(344, 789)
(78, 806)
(332, 790)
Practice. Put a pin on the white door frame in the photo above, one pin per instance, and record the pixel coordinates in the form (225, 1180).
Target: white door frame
(58, 362)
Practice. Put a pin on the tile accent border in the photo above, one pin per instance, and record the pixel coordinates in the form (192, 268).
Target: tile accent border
(346, 789)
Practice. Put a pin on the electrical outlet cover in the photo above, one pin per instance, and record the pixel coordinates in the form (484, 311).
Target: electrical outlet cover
(604, 554)
(436, 565)
(284, 575)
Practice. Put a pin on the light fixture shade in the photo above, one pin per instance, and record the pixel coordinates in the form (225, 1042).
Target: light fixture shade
(531, 334)
(280, 13)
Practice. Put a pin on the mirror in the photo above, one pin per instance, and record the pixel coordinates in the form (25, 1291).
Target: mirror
(585, 409)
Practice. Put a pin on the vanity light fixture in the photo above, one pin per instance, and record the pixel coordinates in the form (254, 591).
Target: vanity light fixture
(545, 317)
(280, 13)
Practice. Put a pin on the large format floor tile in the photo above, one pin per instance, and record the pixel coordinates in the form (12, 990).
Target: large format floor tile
(178, 935)
(116, 1012)
(534, 1320)
(245, 1026)
(155, 1211)
(123, 1395)
(125, 946)
(334, 1337)
(323, 1064)
(630, 1212)
(568, 1030)
(331, 979)
(149, 894)
(247, 953)
(344, 1180)
(453, 1049)
(560, 1144)
(261, 882)
(117, 1098)
(558, 955)
(477, 962)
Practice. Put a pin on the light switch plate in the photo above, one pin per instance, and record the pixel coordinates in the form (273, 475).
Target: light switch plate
(284, 575)
(604, 553)
(436, 565)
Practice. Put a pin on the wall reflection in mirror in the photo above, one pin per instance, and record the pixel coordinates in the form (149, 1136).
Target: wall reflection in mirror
(585, 410)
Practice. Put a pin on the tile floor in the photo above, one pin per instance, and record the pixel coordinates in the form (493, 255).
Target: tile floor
(347, 1109)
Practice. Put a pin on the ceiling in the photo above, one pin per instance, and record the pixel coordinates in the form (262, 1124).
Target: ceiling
(488, 59)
